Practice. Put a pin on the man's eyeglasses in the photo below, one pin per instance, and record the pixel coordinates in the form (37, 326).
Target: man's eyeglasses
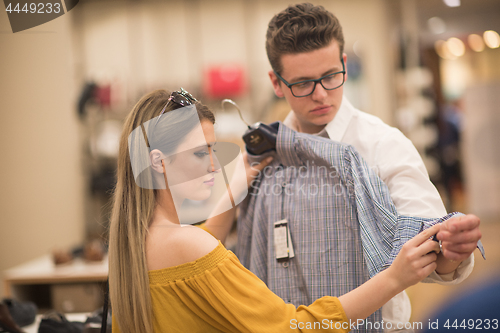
(305, 88)
(181, 98)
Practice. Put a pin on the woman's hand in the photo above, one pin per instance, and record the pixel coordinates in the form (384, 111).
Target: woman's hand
(219, 225)
(254, 169)
(416, 260)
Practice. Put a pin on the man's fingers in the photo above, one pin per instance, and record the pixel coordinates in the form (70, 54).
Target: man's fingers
(470, 236)
(460, 247)
(450, 255)
(461, 223)
(465, 248)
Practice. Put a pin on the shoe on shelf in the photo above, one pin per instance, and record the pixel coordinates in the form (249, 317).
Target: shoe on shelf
(94, 251)
(23, 313)
(55, 322)
(7, 324)
(61, 257)
(93, 323)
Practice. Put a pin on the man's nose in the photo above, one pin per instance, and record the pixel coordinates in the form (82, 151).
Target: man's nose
(319, 93)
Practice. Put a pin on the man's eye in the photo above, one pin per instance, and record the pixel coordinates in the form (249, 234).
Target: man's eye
(304, 84)
(330, 77)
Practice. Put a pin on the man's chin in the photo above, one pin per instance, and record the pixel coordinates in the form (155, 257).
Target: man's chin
(322, 121)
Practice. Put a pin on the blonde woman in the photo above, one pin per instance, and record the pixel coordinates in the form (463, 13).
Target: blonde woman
(168, 278)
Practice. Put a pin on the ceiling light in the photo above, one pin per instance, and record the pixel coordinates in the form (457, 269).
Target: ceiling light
(436, 25)
(475, 42)
(492, 39)
(456, 46)
(443, 51)
(452, 3)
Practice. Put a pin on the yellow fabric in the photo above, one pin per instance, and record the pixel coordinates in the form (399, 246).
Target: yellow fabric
(204, 227)
(215, 293)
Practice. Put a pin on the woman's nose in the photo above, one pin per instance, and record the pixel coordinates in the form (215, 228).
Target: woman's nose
(214, 162)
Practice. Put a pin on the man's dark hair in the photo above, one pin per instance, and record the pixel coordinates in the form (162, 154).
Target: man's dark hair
(301, 28)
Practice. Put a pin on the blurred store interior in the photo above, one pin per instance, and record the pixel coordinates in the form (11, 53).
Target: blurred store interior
(429, 67)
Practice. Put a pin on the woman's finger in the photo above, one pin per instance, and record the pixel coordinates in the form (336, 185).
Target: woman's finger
(424, 235)
(428, 246)
(257, 166)
(264, 163)
(426, 259)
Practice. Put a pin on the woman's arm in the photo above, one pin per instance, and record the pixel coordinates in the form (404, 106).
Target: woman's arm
(415, 261)
(220, 225)
(241, 302)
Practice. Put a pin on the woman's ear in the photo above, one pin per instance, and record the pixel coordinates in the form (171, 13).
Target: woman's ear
(155, 157)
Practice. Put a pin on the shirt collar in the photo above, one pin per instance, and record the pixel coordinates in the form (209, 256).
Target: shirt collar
(336, 128)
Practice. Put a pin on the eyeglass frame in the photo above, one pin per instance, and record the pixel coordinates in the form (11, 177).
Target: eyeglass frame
(188, 100)
(289, 85)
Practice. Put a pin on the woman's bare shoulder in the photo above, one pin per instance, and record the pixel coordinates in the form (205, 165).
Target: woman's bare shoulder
(172, 246)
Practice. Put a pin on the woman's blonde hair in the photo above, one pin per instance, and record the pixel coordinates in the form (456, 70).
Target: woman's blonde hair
(131, 216)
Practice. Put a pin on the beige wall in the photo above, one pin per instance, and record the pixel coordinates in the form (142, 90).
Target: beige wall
(41, 197)
(170, 44)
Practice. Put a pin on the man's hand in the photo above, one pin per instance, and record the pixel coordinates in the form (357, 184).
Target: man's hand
(459, 236)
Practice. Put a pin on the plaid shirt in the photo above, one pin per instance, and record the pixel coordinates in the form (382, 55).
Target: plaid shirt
(343, 223)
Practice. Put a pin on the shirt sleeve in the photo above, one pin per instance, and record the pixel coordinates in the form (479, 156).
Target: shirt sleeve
(460, 274)
(411, 190)
(230, 298)
(403, 171)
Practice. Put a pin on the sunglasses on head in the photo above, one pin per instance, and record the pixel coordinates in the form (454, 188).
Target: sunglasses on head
(182, 98)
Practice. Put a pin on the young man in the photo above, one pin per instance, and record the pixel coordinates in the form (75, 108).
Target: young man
(304, 45)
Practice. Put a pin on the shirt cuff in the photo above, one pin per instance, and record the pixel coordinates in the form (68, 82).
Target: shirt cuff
(460, 274)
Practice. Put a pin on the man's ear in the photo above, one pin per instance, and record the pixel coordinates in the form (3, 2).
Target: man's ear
(155, 157)
(276, 84)
(345, 64)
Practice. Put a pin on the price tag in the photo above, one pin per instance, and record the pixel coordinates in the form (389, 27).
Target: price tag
(283, 247)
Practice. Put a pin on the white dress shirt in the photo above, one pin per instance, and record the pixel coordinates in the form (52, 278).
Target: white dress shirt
(397, 162)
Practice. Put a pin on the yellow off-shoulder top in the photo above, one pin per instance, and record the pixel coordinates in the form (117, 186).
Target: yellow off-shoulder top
(216, 293)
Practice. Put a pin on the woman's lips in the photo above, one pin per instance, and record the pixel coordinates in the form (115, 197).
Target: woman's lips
(321, 109)
(210, 182)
